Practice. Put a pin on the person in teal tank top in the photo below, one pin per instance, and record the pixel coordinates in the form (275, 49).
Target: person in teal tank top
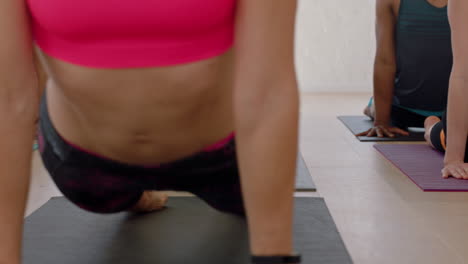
(412, 65)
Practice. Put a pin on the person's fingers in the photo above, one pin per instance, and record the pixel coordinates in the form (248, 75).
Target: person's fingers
(382, 132)
(365, 133)
(400, 131)
(379, 132)
(449, 171)
(458, 171)
(455, 174)
(462, 173)
(372, 133)
(388, 133)
(445, 173)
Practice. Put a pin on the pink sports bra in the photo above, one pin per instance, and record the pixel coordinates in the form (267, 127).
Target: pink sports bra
(132, 34)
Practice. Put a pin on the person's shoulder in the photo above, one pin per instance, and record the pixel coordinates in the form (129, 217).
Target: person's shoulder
(388, 6)
(392, 4)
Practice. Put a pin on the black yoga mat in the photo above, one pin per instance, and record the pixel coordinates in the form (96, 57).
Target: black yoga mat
(358, 124)
(186, 232)
(303, 179)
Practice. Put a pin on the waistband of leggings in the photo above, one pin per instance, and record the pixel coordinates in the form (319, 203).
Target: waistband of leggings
(47, 130)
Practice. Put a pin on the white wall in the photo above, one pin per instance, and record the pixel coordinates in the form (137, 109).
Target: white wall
(335, 45)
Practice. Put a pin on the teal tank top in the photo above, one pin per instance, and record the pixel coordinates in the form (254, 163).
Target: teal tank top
(424, 57)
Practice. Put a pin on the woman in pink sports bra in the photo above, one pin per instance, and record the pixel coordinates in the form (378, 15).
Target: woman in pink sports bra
(145, 97)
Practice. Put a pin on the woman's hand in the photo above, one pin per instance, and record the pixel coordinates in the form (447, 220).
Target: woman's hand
(457, 169)
(383, 131)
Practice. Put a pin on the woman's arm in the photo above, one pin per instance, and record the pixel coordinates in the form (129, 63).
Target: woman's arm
(384, 71)
(457, 113)
(18, 108)
(266, 103)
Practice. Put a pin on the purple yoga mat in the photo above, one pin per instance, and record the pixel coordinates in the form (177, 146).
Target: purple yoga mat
(423, 166)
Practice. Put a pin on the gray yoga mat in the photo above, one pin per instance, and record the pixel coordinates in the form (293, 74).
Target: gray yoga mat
(304, 181)
(187, 232)
(358, 124)
(423, 165)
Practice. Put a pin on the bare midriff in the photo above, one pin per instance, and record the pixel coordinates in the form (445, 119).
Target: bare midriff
(142, 115)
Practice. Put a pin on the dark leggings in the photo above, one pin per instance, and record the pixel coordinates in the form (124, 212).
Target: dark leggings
(101, 185)
(438, 136)
(405, 119)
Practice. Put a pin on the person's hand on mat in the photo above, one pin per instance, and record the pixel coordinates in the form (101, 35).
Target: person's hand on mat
(457, 170)
(383, 131)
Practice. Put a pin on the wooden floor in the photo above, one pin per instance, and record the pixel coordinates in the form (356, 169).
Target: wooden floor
(382, 216)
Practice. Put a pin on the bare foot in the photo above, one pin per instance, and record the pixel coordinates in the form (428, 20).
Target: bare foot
(430, 122)
(428, 125)
(150, 201)
(369, 111)
(366, 111)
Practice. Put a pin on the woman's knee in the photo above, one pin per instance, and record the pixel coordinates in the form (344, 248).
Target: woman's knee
(103, 202)
(96, 191)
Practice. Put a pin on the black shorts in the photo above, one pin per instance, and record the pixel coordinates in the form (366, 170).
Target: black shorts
(405, 119)
(102, 185)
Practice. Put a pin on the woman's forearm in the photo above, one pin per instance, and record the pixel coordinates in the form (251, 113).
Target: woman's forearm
(384, 76)
(457, 120)
(18, 110)
(14, 182)
(267, 132)
(266, 110)
(15, 157)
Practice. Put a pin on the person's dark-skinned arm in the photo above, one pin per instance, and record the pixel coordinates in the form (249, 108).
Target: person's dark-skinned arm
(266, 109)
(384, 72)
(457, 112)
(18, 109)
